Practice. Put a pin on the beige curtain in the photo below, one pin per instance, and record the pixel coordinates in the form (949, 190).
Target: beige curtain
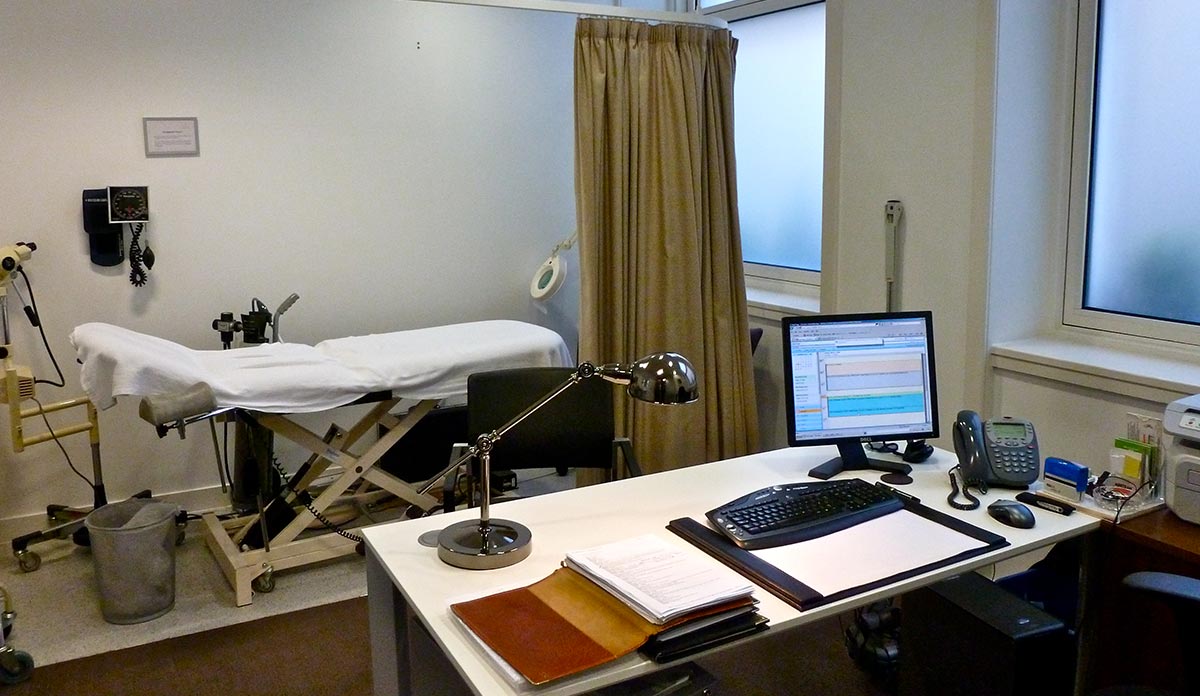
(660, 251)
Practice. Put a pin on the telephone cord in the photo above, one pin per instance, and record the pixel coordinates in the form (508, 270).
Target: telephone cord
(966, 492)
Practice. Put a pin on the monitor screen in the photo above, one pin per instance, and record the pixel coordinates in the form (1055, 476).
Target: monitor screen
(854, 378)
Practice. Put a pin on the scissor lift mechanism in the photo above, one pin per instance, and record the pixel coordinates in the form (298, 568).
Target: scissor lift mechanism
(248, 569)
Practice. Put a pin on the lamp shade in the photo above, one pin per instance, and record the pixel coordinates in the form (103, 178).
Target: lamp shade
(663, 378)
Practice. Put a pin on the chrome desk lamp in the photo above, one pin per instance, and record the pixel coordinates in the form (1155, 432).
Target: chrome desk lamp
(661, 378)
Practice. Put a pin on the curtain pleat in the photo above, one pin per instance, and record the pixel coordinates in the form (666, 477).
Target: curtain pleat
(660, 250)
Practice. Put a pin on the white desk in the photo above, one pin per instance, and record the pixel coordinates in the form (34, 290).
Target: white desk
(417, 649)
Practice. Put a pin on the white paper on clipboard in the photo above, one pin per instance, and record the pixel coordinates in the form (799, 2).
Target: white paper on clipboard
(868, 552)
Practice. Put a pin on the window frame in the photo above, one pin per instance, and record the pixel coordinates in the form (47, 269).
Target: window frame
(764, 276)
(1074, 313)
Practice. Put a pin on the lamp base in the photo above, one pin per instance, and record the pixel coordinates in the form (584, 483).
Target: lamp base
(474, 546)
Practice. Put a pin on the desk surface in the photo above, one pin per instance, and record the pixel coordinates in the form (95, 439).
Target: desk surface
(1163, 531)
(594, 515)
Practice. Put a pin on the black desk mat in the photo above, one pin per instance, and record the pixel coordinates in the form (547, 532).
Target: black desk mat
(801, 596)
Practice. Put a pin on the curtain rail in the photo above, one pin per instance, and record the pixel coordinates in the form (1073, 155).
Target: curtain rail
(590, 9)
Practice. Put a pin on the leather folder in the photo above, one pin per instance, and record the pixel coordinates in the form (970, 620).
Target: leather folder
(562, 624)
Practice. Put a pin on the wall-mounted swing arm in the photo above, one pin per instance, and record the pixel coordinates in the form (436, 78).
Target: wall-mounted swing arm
(893, 211)
(19, 388)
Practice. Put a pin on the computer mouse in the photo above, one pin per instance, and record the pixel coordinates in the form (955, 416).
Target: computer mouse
(1012, 513)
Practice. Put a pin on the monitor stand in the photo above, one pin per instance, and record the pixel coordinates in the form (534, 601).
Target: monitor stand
(854, 458)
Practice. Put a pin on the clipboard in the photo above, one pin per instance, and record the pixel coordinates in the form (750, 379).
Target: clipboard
(801, 596)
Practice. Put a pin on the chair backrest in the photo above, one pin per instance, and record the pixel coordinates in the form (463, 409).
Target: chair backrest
(573, 430)
(1180, 594)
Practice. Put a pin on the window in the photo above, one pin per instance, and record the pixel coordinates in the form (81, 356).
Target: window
(1134, 239)
(779, 126)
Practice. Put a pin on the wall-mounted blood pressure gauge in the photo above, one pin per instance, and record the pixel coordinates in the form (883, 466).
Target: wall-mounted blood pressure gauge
(128, 204)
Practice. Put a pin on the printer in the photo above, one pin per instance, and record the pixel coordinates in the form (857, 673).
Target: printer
(1181, 458)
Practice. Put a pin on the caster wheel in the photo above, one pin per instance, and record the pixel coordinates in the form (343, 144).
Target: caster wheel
(29, 560)
(360, 548)
(263, 583)
(15, 666)
(180, 536)
(81, 537)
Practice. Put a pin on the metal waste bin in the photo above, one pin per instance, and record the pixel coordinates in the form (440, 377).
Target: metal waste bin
(133, 547)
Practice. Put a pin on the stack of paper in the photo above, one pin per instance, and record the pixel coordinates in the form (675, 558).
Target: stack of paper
(658, 581)
(669, 602)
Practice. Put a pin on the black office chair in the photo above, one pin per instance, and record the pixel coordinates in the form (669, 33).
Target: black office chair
(575, 430)
(1181, 594)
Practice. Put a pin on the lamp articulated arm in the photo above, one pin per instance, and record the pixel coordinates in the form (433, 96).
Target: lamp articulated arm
(662, 378)
(484, 443)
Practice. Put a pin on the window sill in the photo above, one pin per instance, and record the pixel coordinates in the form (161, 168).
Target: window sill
(1128, 368)
(775, 303)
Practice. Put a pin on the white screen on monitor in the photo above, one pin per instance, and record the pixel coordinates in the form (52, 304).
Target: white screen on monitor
(860, 377)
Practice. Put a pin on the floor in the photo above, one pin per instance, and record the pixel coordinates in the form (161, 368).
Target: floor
(58, 616)
(310, 651)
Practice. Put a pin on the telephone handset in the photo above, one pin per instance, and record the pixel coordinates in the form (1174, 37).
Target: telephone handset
(1002, 453)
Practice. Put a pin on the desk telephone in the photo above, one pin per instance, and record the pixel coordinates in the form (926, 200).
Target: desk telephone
(1002, 453)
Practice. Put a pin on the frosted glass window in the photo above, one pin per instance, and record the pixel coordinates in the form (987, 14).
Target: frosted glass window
(1143, 239)
(779, 125)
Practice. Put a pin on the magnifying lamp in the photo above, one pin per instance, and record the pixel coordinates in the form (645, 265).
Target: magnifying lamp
(550, 276)
(660, 378)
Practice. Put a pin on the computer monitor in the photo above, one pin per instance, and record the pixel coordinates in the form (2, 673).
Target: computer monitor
(855, 378)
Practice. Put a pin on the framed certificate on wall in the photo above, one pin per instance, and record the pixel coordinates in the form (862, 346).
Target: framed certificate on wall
(172, 137)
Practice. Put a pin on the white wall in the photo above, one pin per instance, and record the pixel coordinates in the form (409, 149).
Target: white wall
(908, 117)
(909, 113)
(397, 164)
(962, 110)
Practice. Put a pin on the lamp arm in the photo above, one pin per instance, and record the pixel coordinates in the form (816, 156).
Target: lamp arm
(615, 373)
(483, 444)
(663, 378)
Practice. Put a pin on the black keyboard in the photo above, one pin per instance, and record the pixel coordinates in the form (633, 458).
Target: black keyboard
(794, 512)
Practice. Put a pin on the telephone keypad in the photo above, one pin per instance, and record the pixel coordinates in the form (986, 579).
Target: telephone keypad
(1018, 461)
(1013, 455)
